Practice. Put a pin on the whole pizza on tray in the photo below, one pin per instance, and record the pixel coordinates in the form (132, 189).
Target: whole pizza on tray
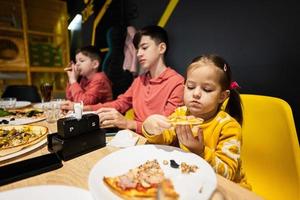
(15, 138)
(146, 181)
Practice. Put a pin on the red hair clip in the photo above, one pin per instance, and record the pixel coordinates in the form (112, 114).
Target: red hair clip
(234, 85)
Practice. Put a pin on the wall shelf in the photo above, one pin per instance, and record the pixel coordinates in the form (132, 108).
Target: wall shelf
(46, 69)
(36, 36)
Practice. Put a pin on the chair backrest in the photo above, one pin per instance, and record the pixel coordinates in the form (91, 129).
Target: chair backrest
(22, 93)
(270, 149)
(112, 64)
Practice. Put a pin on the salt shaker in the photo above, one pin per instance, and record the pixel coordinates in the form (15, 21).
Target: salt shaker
(78, 107)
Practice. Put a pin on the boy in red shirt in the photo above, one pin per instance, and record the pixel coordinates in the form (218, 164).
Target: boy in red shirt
(158, 91)
(94, 86)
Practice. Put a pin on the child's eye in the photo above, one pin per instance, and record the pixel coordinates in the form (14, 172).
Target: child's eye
(190, 87)
(207, 90)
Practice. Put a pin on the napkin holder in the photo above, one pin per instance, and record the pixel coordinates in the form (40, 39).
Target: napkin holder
(76, 137)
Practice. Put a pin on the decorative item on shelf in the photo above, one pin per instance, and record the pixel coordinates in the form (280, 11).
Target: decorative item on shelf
(12, 52)
(44, 54)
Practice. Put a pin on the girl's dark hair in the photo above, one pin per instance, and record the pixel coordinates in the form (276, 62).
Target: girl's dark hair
(92, 52)
(157, 33)
(233, 106)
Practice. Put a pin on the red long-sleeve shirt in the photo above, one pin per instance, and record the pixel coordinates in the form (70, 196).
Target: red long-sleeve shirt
(147, 96)
(91, 91)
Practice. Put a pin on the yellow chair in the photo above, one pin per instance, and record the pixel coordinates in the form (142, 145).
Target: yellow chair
(129, 114)
(270, 149)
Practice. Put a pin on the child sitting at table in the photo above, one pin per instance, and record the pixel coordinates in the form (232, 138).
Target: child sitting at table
(218, 139)
(159, 90)
(94, 86)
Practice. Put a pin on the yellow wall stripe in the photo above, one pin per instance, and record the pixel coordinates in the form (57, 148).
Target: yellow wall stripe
(98, 19)
(169, 10)
(104, 49)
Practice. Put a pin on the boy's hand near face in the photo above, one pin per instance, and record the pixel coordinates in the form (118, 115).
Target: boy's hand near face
(156, 124)
(72, 72)
(185, 136)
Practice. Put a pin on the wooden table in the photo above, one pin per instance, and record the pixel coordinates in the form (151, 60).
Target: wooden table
(75, 172)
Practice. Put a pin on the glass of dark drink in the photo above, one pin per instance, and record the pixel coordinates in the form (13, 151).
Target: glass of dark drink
(46, 91)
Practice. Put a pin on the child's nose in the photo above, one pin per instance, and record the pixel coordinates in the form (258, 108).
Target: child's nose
(139, 53)
(197, 93)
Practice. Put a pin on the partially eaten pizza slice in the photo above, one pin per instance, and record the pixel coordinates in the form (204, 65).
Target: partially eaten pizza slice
(185, 120)
(145, 181)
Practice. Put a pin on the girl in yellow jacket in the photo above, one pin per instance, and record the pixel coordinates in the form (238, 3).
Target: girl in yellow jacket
(218, 138)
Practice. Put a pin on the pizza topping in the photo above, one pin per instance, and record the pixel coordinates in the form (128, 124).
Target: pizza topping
(11, 136)
(22, 113)
(145, 175)
(186, 168)
(126, 182)
(165, 162)
(173, 164)
(4, 121)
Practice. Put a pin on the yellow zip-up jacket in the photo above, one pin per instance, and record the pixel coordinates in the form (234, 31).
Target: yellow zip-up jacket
(222, 140)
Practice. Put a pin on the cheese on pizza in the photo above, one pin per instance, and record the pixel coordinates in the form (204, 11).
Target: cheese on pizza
(182, 120)
(14, 138)
(142, 182)
(21, 113)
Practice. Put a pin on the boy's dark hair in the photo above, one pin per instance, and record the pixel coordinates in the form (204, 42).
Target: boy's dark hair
(233, 106)
(157, 33)
(91, 52)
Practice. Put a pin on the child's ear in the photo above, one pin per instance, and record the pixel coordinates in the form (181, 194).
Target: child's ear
(224, 95)
(162, 47)
(95, 64)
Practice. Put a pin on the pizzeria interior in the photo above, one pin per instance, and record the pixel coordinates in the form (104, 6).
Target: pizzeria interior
(54, 145)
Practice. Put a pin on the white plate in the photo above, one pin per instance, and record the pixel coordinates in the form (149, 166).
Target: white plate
(21, 121)
(23, 151)
(39, 105)
(187, 185)
(47, 192)
(22, 104)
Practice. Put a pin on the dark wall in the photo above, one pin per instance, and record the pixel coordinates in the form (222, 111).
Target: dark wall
(259, 39)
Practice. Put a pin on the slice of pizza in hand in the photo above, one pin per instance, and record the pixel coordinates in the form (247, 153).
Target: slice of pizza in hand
(185, 120)
(142, 182)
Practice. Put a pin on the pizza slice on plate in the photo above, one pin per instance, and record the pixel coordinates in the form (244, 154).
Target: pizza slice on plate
(142, 182)
(15, 138)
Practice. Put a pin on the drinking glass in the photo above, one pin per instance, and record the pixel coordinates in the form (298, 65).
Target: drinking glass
(46, 91)
(8, 103)
(52, 111)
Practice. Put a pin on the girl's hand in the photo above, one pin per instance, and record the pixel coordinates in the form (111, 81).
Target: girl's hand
(185, 136)
(156, 124)
(111, 117)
